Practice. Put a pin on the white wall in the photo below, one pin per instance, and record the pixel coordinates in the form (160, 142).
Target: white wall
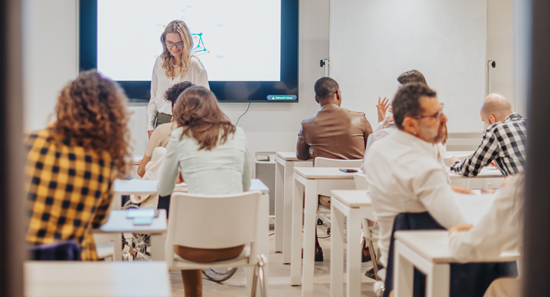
(500, 48)
(52, 61)
(372, 42)
(49, 57)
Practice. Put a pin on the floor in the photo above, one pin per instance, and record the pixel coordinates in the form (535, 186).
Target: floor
(279, 277)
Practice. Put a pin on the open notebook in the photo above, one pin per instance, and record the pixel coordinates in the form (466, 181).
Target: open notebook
(474, 207)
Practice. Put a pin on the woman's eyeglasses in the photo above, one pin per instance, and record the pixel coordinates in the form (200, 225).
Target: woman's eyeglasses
(171, 44)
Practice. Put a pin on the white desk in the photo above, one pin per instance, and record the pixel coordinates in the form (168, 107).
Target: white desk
(428, 251)
(284, 170)
(96, 279)
(488, 177)
(312, 182)
(119, 223)
(459, 154)
(350, 204)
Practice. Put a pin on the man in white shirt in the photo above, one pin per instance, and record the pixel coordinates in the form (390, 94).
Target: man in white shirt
(500, 230)
(402, 174)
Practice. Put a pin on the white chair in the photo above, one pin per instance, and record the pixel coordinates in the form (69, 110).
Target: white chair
(370, 233)
(213, 222)
(333, 163)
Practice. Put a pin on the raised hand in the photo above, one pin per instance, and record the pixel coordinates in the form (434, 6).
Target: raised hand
(382, 107)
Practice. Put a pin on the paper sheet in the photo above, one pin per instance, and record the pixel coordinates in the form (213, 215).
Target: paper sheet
(474, 207)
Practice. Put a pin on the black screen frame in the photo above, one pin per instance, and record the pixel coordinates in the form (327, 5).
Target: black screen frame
(225, 91)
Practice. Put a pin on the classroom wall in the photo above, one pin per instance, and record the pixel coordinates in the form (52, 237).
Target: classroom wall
(52, 61)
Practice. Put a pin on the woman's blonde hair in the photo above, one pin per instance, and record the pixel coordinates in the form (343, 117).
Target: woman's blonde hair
(198, 112)
(180, 28)
(91, 112)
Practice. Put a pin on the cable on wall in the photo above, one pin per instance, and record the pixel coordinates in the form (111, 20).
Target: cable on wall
(243, 113)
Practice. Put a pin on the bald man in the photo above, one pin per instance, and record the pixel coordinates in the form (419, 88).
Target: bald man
(504, 140)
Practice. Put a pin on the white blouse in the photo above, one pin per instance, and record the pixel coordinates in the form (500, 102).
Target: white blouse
(223, 170)
(160, 83)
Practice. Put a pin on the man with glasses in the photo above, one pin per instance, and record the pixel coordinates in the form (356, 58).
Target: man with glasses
(402, 174)
(504, 140)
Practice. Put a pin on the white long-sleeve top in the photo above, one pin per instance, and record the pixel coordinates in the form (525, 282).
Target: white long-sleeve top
(223, 170)
(403, 176)
(500, 230)
(160, 83)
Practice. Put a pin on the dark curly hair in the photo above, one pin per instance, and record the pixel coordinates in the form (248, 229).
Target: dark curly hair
(198, 112)
(91, 111)
(175, 91)
(407, 101)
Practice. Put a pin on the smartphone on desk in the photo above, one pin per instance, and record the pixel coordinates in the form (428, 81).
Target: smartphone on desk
(348, 170)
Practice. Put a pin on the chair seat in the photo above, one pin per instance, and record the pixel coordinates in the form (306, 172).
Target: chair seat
(241, 260)
(105, 249)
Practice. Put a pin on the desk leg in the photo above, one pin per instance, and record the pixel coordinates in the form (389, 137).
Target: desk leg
(263, 247)
(438, 281)
(354, 252)
(279, 205)
(157, 246)
(337, 253)
(115, 205)
(310, 212)
(297, 210)
(288, 209)
(403, 273)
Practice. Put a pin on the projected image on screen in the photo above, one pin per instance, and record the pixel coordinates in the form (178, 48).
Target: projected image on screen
(237, 40)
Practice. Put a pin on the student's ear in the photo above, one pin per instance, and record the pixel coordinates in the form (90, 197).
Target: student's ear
(409, 125)
(492, 119)
(316, 99)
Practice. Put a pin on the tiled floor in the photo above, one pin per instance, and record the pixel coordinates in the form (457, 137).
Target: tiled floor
(279, 277)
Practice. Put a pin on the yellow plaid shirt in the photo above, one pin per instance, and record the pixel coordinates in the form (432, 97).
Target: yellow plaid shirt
(69, 191)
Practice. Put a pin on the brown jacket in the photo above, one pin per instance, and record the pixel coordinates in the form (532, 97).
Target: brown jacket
(335, 133)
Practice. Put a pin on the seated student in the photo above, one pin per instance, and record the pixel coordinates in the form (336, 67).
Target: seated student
(161, 134)
(213, 157)
(402, 174)
(500, 230)
(333, 132)
(72, 163)
(504, 140)
(387, 126)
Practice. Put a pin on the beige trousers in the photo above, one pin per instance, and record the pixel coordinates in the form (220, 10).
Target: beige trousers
(192, 279)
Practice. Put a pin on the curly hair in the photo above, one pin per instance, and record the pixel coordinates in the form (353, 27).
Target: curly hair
(198, 112)
(91, 111)
(180, 28)
(173, 93)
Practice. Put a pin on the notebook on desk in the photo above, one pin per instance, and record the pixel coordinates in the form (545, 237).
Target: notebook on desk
(474, 207)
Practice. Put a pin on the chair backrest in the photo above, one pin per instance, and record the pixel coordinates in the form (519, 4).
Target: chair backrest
(360, 181)
(337, 163)
(211, 222)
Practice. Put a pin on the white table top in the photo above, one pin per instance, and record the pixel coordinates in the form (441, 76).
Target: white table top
(135, 186)
(118, 223)
(458, 154)
(434, 246)
(144, 187)
(487, 172)
(324, 173)
(290, 156)
(95, 279)
(352, 198)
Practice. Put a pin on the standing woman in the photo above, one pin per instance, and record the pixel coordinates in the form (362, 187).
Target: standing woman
(174, 65)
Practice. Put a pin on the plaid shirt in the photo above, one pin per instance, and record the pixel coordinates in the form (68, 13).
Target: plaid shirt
(69, 191)
(503, 142)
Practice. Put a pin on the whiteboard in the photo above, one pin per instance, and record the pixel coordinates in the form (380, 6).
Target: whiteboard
(373, 41)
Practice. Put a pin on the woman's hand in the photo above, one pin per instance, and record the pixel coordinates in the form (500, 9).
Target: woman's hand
(460, 228)
(150, 132)
(382, 108)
